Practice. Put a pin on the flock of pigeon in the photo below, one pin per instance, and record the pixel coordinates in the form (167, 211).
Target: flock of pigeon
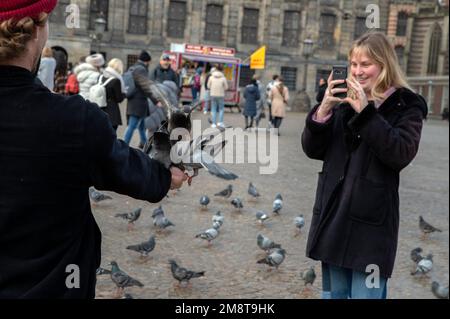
(423, 265)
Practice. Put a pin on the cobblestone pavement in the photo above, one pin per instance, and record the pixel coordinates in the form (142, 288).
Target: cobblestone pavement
(230, 263)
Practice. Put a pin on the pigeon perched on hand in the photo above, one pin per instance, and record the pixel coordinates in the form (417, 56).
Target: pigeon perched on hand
(218, 218)
(274, 259)
(277, 204)
(226, 193)
(424, 266)
(237, 203)
(131, 217)
(182, 274)
(145, 247)
(439, 291)
(96, 196)
(204, 201)
(209, 234)
(265, 243)
(253, 191)
(299, 222)
(261, 216)
(426, 228)
(308, 276)
(415, 255)
(122, 280)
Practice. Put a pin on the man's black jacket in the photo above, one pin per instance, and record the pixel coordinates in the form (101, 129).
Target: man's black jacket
(52, 148)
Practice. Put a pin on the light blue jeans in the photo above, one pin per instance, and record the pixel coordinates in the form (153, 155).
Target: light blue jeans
(217, 104)
(134, 123)
(343, 283)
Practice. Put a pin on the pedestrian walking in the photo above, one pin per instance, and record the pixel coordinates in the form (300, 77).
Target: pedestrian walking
(251, 96)
(218, 85)
(115, 91)
(88, 73)
(279, 96)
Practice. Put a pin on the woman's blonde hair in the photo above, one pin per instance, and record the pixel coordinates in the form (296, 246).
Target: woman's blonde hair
(117, 65)
(47, 52)
(15, 34)
(378, 48)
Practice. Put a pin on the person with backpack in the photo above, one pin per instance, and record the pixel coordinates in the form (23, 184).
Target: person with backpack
(196, 84)
(279, 97)
(88, 73)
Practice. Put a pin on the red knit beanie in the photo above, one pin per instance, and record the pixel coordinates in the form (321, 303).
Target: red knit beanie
(24, 8)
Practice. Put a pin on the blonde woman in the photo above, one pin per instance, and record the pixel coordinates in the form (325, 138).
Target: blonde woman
(115, 91)
(364, 141)
(279, 97)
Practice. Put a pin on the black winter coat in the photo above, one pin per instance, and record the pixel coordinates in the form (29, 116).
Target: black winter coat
(52, 149)
(114, 96)
(137, 104)
(160, 75)
(356, 212)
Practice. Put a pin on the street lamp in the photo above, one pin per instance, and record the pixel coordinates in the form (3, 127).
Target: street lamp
(307, 52)
(99, 29)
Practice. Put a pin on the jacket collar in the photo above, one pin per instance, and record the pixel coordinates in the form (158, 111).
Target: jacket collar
(14, 75)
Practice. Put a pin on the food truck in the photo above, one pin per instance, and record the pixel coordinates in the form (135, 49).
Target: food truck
(206, 56)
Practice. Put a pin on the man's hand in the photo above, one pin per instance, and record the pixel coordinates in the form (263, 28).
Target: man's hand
(178, 177)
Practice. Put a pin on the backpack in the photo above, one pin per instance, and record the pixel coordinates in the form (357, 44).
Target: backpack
(197, 84)
(72, 86)
(128, 80)
(97, 92)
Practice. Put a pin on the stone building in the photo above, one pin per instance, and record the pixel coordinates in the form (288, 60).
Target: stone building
(245, 25)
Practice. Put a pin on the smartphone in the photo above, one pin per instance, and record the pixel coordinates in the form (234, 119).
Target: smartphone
(340, 73)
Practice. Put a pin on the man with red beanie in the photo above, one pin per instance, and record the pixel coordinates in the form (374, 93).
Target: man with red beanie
(52, 149)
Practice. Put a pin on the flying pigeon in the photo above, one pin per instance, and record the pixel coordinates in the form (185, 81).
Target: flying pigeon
(218, 218)
(237, 203)
(415, 255)
(122, 280)
(265, 243)
(261, 216)
(204, 201)
(426, 228)
(274, 259)
(96, 196)
(226, 193)
(299, 222)
(131, 217)
(277, 204)
(144, 248)
(209, 234)
(102, 271)
(424, 266)
(182, 274)
(439, 291)
(308, 276)
(252, 190)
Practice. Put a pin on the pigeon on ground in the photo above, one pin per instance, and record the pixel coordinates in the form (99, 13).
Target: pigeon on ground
(122, 280)
(102, 271)
(426, 228)
(424, 266)
(96, 196)
(261, 216)
(277, 204)
(182, 274)
(144, 248)
(162, 222)
(265, 243)
(439, 291)
(158, 212)
(253, 191)
(415, 255)
(308, 276)
(131, 217)
(237, 203)
(274, 259)
(218, 218)
(226, 192)
(204, 201)
(299, 222)
(209, 234)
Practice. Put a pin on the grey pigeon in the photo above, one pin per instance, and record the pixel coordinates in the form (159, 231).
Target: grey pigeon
(261, 216)
(121, 279)
(218, 218)
(158, 212)
(145, 247)
(274, 259)
(265, 243)
(439, 291)
(209, 234)
(424, 266)
(162, 222)
(308, 276)
(277, 204)
(96, 196)
(226, 192)
(131, 217)
(426, 228)
(160, 148)
(102, 271)
(415, 255)
(237, 203)
(182, 274)
(299, 222)
(252, 190)
(204, 201)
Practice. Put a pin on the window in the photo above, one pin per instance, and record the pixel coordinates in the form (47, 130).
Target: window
(291, 28)
(98, 7)
(137, 23)
(290, 77)
(246, 75)
(131, 60)
(326, 34)
(59, 14)
(250, 26)
(400, 51)
(435, 47)
(402, 23)
(360, 27)
(213, 27)
(177, 19)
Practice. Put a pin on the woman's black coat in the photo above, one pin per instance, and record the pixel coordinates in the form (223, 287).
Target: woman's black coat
(356, 212)
(114, 96)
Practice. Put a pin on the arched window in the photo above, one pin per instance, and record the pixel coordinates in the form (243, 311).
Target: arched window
(435, 47)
